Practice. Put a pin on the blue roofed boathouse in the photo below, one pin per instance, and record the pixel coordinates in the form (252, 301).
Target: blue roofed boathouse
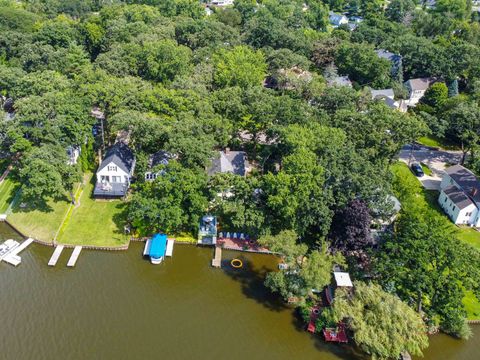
(157, 249)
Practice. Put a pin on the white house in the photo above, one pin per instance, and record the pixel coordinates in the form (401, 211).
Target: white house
(159, 158)
(416, 89)
(337, 19)
(115, 172)
(460, 196)
(388, 97)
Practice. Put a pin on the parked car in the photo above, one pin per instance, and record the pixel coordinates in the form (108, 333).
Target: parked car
(417, 169)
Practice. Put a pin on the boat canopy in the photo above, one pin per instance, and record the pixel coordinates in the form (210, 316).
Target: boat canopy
(158, 246)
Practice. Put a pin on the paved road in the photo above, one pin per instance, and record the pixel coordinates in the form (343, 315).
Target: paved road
(436, 160)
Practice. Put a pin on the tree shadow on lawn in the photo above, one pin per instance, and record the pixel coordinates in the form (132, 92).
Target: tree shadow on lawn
(252, 281)
(22, 205)
(120, 218)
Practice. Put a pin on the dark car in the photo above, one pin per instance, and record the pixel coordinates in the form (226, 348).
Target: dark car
(417, 169)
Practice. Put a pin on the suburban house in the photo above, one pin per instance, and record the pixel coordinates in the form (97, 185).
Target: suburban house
(416, 89)
(228, 161)
(387, 96)
(460, 196)
(395, 60)
(159, 158)
(337, 19)
(115, 172)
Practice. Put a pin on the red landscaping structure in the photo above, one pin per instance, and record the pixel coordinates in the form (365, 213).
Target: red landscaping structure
(338, 335)
(238, 244)
(313, 318)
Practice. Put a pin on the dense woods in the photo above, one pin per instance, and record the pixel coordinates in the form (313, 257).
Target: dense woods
(255, 77)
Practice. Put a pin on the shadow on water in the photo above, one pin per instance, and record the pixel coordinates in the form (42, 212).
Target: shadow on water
(252, 282)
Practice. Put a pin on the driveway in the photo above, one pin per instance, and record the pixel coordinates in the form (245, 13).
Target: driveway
(436, 160)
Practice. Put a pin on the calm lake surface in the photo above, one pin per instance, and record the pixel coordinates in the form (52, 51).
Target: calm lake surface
(115, 305)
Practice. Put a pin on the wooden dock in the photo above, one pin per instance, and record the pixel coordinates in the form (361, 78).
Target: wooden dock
(11, 256)
(75, 254)
(217, 260)
(55, 256)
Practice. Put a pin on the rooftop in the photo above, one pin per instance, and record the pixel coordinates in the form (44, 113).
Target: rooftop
(466, 180)
(458, 197)
(121, 155)
(343, 279)
(420, 83)
(382, 93)
(228, 161)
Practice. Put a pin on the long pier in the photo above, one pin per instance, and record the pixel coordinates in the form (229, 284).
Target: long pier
(217, 260)
(75, 254)
(55, 256)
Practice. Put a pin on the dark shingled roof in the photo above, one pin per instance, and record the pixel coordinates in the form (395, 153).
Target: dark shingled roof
(458, 197)
(229, 162)
(466, 180)
(160, 158)
(121, 155)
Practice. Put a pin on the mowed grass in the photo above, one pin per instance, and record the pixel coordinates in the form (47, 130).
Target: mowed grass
(94, 222)
(472, 305)
(8, 188)
(437, 142)
(38, 223)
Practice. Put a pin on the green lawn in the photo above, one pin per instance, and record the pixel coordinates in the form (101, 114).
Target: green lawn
(434, 141)
(426, 169)
(94, 222)
(470, 236)
(472, 305)
(8, 188)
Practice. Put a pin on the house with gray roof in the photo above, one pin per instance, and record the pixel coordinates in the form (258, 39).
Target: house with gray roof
(115, 172)
(395, 61)
(417, 88)
(234, 162)
(155, 161)
(337, 19)
(339, 81)
(460, 196)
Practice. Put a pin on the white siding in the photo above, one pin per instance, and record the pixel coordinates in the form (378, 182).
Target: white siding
(458, 216)
(110, 171)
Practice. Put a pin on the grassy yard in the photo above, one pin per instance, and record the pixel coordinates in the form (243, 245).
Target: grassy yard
(434, 141)
(94, 222)
(8, 189)
(472, 305)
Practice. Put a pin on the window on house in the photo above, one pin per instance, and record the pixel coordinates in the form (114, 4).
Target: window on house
(453, 208)
(116, 179)
(112, 168)
(445, 199)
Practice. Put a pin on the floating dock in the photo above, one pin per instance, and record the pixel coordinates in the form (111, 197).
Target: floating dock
(169, 251)
(10, 249)
(56, 255)
(217, 260)
(75, 254)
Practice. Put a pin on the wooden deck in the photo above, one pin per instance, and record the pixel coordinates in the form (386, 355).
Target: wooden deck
(217, 260)
(55, 256)
(75, 254)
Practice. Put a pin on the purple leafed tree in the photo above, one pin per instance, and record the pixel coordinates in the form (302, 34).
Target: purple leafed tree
(350, 229)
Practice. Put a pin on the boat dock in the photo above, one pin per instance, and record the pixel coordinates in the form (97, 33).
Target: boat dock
(56, 255)
(169, 251)
(10, 249)
(217, 260)
(75, 254)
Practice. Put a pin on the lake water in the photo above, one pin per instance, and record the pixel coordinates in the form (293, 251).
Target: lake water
(117, 305)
